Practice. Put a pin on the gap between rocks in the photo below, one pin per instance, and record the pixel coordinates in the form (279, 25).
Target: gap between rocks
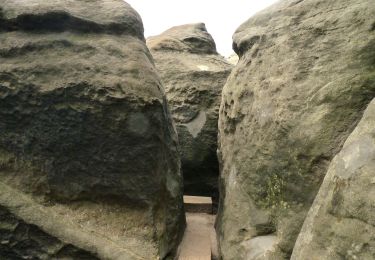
(199, 241)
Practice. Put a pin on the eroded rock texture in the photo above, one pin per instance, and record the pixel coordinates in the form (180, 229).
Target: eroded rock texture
(193, 74)
(19, 240)
(86, 140)
(306, 74)
(341, 221)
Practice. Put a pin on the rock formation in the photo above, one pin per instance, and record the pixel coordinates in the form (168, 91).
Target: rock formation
(304, 78)
(193, 74)
(341, 221)
(88, 158)
(232, 59)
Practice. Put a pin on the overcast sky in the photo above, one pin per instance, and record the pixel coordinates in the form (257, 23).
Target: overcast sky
(222, 17)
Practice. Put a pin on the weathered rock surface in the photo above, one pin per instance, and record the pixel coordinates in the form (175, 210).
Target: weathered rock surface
(86, 139)
(233, 59)
(193, 74)
(306, 74)
(341, 221)
(21, 240)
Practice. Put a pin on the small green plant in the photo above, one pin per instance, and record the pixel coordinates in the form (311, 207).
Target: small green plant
(274, 199)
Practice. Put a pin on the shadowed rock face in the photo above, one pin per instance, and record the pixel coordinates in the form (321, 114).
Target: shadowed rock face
(341, 223)
(304, 78)
(20, 239)
(85, 133)
(193, 75)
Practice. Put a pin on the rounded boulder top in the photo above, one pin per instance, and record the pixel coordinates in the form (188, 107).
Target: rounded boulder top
(109, 16)
(192, 38)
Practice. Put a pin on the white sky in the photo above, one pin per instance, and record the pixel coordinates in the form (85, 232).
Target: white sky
(222, 17)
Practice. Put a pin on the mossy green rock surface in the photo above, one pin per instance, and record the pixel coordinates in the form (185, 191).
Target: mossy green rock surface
(306, 74)
(193, 74)
(85, 131)
(341, 221)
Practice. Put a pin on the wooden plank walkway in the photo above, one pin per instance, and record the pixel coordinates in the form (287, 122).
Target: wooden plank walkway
(195, 204)
(199, 238)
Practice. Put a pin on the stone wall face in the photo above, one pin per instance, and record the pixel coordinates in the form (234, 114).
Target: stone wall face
(20, 239)
(193, 74)
(84, 125)
(305, 76)
(341, 221)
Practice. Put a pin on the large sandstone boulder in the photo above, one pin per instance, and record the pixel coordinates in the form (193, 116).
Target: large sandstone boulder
(233, 59)
(193, 74)
(341, 221)
(305, 75)
(88, 153)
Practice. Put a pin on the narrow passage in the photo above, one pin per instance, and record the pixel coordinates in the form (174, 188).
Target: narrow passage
(199, 242)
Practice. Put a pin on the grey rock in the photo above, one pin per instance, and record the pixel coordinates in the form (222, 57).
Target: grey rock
(193, 75)
(341, 221)
(304, 78)
(20, 240)
(190, 38)
(85, 132)
(233, 59)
